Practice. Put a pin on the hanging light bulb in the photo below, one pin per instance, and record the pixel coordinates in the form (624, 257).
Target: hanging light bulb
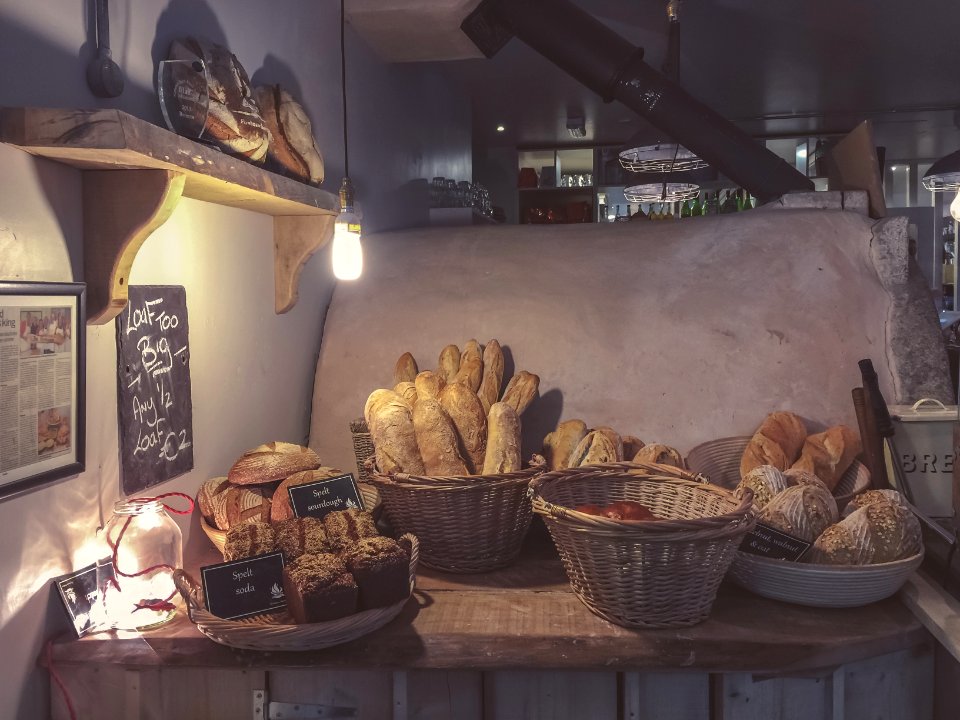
(347, 250)
(955, 207)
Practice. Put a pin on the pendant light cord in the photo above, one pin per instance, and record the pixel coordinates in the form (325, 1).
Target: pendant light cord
(343, 86)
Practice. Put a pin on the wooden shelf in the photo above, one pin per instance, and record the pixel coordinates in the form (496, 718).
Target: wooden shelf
(134, 175)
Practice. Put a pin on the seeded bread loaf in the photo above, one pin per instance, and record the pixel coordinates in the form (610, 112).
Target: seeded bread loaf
(249, 540)
(765, 481)
(776, 442)
(879, 532)
(319, 587)
(803, 511)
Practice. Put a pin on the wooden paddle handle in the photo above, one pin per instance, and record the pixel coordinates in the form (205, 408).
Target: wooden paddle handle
(870, 439)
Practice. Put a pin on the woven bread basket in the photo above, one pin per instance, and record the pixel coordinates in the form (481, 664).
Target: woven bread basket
(362, 447)
(719, 461)
(465, 524)
(643, 574)
(371, 503)
(277, 631)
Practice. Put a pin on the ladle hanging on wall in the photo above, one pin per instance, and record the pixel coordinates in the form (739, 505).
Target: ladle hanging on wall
(104, 76)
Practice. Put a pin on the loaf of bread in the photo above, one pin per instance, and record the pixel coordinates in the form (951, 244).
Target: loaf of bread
(292, 148)
(318, 588)
(593, 449)
(659, 454)
(210, 497)
(449, 363)
(437, 439)
(471, 350)
(246, 504)
(614, 437)
(280, 507)
(871, 496)
(300, 536)
(503, 440)
(521, 391)
(489, 391)
(382, 397)
(405, 369)
(470, 422)
(391, 430)
(631, 446)
(803, 512)
(470, 372)
(776, 442)
(271, 462)
(882, 531)
(795, 476)
(408, 391)
(828, 454)
(381, 568)
(249, 540)
(429, 384)
(559, 445)
(765, 481)
(848, 542)
(344, 528)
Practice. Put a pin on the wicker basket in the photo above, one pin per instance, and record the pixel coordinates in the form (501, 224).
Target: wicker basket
(833, 586)
(719, 460)
(466, 524)
(362, 447)
(371, 501)
(648, 574)
(277, 631)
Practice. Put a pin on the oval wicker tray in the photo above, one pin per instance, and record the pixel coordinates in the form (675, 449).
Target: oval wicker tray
(371, 501)
(719, 461)
(277, 631)
(834, 586)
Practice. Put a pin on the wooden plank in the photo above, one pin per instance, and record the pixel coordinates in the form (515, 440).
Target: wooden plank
(110, 139)
(666, 696)
(369, 691)
(95, 691)
(744, 698)
(946, 698)
(897, 685)
(295, 239)
(935, 608)
(439, 695)
(524, 695)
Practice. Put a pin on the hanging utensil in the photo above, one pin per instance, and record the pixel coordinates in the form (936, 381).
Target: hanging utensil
(104, 76)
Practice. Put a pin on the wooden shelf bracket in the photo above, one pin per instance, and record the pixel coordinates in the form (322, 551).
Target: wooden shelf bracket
(295, 239)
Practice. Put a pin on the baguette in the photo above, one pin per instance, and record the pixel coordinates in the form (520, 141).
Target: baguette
(449, 363)
(406, 369)
(429, 384)
(503, 440)
(271, 462)
(470, 373)
(437, 439)
(521, 391)
(828, 454)
(776, 442)
(594, 448)
(472, 349)
(489, 391)
(394, 439)
(470, 421)
(559, 445)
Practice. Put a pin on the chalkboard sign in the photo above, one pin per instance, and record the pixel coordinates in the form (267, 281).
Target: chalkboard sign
(319, 498)
(770, 542)
(153, 394)
(245, 587)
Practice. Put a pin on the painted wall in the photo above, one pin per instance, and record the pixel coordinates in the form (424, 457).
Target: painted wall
(252, 371)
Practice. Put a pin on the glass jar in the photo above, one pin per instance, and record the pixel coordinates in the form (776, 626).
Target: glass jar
(142, 546)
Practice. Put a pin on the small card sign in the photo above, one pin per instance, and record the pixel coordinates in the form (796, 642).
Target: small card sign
(768, 542)
(318, 498)
(245, 587)
(80, 593)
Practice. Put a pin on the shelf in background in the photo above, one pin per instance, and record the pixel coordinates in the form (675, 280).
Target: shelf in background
(572, 190)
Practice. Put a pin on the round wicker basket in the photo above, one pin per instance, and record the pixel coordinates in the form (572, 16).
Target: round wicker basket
(369, 494)
(719, 461)
(277, 631)
(645, 574)
(465, 524)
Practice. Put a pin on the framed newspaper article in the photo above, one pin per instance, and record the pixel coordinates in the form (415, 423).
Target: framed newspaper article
(42, 370)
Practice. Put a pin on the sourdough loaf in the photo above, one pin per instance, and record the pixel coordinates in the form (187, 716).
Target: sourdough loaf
(593, 449)
(280, 507)
(803, 511)
(271, 462)
(292, 145)
(765, 481)
(660, 454)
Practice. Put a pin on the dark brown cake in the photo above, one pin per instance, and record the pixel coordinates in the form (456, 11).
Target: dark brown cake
(346, 527)
(318, 588)
(381, 568)
(249, 539)
(300, 536)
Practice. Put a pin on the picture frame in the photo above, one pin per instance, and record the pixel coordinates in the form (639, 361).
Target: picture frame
(42, 384)
(79, 592)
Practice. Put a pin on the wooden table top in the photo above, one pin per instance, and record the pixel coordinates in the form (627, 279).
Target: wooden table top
(526, 617)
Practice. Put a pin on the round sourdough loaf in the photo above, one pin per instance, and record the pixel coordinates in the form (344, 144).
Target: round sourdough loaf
(803, 511)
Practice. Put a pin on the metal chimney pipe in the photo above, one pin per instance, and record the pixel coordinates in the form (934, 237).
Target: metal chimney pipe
(606, 63)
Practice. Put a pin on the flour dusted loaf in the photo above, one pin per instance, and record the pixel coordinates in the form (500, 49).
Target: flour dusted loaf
(390, 421)
(503, 440)
(776, 442)
(437, 439)
(558, 446)
(318, 588)
(765, 481)
(803, 511)
(470, 422)
(292, 145)
(428, 384)
(470, 372)
(882, 531)
(271, 462)
(828, 454)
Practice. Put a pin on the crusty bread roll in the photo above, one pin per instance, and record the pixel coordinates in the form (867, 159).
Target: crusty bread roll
(795, 476)
(593, 449)
(408, 391)
(559, 445)
(271, 462)
(489, 391)
(660, 454)
(472, 349)
(437, 439)
(882, 531)
(828, 454)
(776, 442)
(449, 363)
(393, 436)
(765, 481)
(429, 384)
(280, 507)
(614, 437)
(803, 512)
(470, 372)
(503, 440)
(470, 421)
(631, 446)
(406, 369)
(521, 390)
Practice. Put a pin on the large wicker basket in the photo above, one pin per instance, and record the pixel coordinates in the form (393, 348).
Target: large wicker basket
(277, 631)
(644, 574)
(465, 524)
(719, 461)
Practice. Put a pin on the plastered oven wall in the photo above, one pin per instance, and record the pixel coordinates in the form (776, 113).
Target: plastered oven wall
(676, 332)
(252, 370)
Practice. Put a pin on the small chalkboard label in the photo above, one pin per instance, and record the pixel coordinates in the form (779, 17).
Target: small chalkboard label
(768, 542)
(245, 587)
(319, 498)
